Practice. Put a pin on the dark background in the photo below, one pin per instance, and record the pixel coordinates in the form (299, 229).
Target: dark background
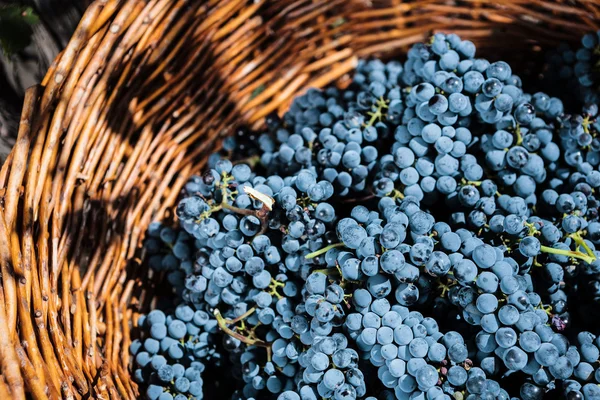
(57, 21)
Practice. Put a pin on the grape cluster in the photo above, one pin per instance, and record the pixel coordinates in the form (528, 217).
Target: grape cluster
(171, 251)
(174, 351)
(427, 232)
(325, 132)
(575, 71)
(578, 137)
(413, 357)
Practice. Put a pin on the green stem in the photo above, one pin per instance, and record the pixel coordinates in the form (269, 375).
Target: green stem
(396, 194)
(568, 253)
(377, 114)
(531, 228)
(374, 117)
(275, 283)
(327, 271)
(519, 136)
(579, 240)
(273, 288)
(323, 250)
(586, 124)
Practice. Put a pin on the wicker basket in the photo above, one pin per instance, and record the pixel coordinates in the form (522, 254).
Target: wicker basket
(143, 91)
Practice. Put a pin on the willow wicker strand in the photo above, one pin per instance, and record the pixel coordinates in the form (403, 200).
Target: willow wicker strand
(129, 110)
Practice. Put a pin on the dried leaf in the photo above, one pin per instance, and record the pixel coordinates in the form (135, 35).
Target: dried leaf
(256, 195)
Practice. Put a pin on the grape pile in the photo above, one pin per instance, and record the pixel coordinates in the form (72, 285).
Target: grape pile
(576, 70)
(428, 233)
(170, 359)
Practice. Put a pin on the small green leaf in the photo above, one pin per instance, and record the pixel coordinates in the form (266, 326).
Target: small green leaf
(15, 27)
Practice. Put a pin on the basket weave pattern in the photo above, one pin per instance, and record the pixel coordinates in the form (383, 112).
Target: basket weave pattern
(143, 91)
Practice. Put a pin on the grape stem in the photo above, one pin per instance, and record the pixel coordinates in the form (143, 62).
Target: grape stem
(260, 214)
(547, 309)
(323, 250)
(531, 228)
(472, 183)
(377, 115)
(225, 205)
(224, 322)
(241, 317)
(231, 208)
(225, 195)
(273, 288)
(569, 253)
(327, 271)
(396, 194)
(580, 242)
(586, 124)
(358, 199)
(445, 287)
(519, 136)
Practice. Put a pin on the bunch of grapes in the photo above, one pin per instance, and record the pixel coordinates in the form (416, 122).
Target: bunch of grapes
(427, 232)
(575, 71)
(174, 351)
